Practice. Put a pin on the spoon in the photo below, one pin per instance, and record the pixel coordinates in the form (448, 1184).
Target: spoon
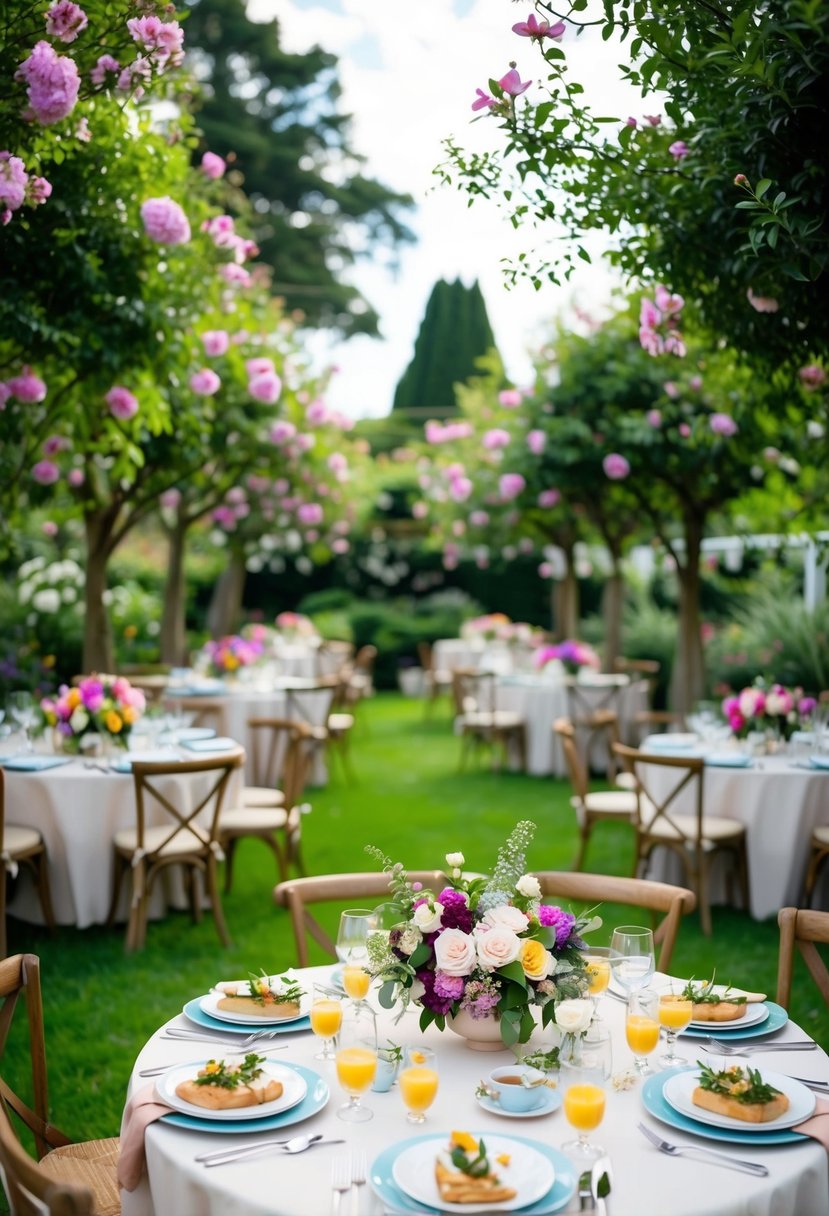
(298, 1144)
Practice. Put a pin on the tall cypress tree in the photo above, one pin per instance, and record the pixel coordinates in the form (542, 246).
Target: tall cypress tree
(454, 333)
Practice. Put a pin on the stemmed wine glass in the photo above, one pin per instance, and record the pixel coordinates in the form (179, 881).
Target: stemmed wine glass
(597, 963)
(642, 1027)
(326, 1015)
(632, 957)
(24, 711)
(356, 1059)
(675, 1013)
(584, 1075)
(352, 951)
(418, 1082)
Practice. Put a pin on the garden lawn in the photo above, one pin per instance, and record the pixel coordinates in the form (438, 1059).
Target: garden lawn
(411, 801)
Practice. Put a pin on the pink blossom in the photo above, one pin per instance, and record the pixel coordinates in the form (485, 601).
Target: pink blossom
(165, 221)
(684, 430)
(740, 179)
(170, 499)
(221, 230)
(495, 438)
(205, 382)
(650, 341)
(653, 119)
(215, 341)
(265, 387)
(695, 383)
(105, 64)
(27, 387)
(674, 345)
(539, 30)
(39, 190)
(483, 101)
(630, 121)
(460, 488)
(615, 466)
(282, 432)
(122, 403)
(668, 302)
(812, 377)
(235, 275)
(762, 303)
(723, 424)
(46, 472)
(13, 181)
(536, 442)
(545, 570)
(479, 519)
(259, 366)
(512, 83)
(310, 513)
(337, 462)
(340, 545)
(130, 79)
(649, 314)
(225, 517)
(510, 485)
(52, 83)
(65, 21)
(54, 444)
(317, 413)
(164, 37)
(678, 149)
(510, 398)
(420, 510)
(212, 166)
(653, 418)
(49, 528)
(5, 393)
(549, 498)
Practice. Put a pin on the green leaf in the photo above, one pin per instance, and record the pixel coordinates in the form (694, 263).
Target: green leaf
(420, 955)
(386, 995)
(762, 186)
(514, 972)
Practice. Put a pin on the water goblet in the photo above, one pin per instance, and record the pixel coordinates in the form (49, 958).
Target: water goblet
(675, 1013)
(418, 1082)
(642, 1027)
(356, 1059)
(352, 934)
(24, 711)
(584, 1076)
(326, 1015)
(631, 956)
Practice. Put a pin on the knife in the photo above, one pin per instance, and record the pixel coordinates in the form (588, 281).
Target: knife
(600, 1185)
(586, 1201)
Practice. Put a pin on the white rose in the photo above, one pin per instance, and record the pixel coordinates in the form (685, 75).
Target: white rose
(496, 947)
(775, 704)
(529, 885)
(455, 860)
(455, 952)
(572, 1017)
(507, 917)
(428, 919)
(79, 720)
(410, 939)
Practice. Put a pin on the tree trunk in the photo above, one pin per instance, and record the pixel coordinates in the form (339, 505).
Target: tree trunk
(566, 598)
(173, 641)
(97, 639)
(688, 677)
(613, 598)
(226, 604)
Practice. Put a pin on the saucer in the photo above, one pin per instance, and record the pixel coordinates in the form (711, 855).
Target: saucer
(551, 1102)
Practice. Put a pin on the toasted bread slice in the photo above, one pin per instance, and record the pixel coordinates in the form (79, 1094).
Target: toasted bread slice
(748, 1112)
(271, 1011)
(457, 1187)
(718, 1011)
(217, 1097)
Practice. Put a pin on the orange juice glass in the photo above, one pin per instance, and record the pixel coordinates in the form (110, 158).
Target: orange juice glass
(584, 1074)
(642, 1027)
(418, 1082)
(675, 1012)
(356, 1059)
(584, 1106)
(326, 1015)
(356, 981)
(597, 963)
(356, 1067)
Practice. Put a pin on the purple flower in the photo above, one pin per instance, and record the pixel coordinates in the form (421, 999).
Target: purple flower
(615, 466)
(483, 101)
(553, 917)
(46, 472)
(52, 83)
(449, 987)
(431, 999)
(510, 486)
(678, 149)
(512, 83)
(164, 221)
(723, 424)
(65, 21)
(122, 403)
(450, 898)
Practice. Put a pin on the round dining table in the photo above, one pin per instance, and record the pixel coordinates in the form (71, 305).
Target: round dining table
(644, 1181)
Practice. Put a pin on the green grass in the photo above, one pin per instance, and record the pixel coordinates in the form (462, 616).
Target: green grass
(410, 800)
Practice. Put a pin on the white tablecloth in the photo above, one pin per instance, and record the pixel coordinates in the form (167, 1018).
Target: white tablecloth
(780, 801)
(77, 811)
(645, 1182)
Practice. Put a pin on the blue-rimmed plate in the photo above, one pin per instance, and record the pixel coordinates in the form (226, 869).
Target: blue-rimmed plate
(33, 764)
(191, 733)
(726, 1031)
(315, 1099)
(220, 743)
(655, 1104)
(195, 1013)
(550, 1101)
(398, 1203)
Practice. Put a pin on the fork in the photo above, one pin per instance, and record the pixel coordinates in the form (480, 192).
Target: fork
(340, 1182)
(195, 1036)
(729, 1049)
(675, 1150)
(359, 1167)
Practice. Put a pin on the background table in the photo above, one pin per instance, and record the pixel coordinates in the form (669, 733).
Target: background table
(645, 1182)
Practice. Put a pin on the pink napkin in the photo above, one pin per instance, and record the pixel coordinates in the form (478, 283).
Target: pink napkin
(817, 1125)
(142, 1109)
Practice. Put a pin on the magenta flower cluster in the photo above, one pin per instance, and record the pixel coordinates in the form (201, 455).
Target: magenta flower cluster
(571, 653)
(18, 187)
(762, 705)
(52, 83)
(164, 221)
(659, 323)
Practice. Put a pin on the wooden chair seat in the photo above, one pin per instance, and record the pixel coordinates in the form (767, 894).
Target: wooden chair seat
(91, 1164)
(262, 795)
(246, 819)
(21, 845)
(610, 803)
(156, 841)
(498, 719)
(339, 723)
(821, 835)
(593, 806)
(715, 831)
(18, 841)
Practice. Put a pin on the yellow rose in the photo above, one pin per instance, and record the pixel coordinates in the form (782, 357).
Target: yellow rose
(73, 698)
(112, 721)
(128, 714)
(231, 662)
(535, 959)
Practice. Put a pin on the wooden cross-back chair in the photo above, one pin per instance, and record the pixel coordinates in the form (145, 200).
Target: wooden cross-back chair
(435, 682)
(371, 888)
(694, 838)
(593, 806)
(657, 897)
(479, 720)
(281, 758)
(67, 1179)
(22, 846)
(801, 928)
(182, 840)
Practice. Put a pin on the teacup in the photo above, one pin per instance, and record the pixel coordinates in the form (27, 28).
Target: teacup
(518, 1088)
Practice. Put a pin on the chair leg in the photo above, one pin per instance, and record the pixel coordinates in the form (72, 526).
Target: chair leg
(3, 947)
(815, 865)
(215, 901)
(584, 840)
(191, 880)
(44, 890)
(229, 846)
(133, 937)
(117, 879)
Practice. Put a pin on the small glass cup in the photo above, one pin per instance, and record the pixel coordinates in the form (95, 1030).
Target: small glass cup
(642, 1027)
(326, 1014)
(675, 1013)
(418, 1082)
(356, 1059)
(584, 1076)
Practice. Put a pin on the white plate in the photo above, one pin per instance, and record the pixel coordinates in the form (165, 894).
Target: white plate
(209, 1004)
(678, 1090)
(529, 1173)
(294, 1090)
(754, 1014)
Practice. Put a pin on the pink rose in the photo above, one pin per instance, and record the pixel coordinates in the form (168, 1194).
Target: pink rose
(455, 952)
(215, 341)
(495, 438)
(616, 467)
(122, 403)
(53, 83)
(65, 21)
(46, 472)
(536, 442)
(164, 221)
(212, 165)
(496, 947)
(549, 498)
(205, 382)
(510, 486)
(27, 387)
(510, 398)
(265, 387)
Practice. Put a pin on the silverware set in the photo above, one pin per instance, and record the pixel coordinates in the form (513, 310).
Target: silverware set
(244, 1152)
(348, 1174)
(739, 1049)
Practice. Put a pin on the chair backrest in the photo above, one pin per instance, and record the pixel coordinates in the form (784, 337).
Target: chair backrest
(333, 656)
(297, 893)
(424, 656)
(190, 820)
(683, 772)
(270, 742)
(801, 928)
(656, 897)
(474, 691)
(364, 660)
(576, 769)
(641, 667)
(311, 705)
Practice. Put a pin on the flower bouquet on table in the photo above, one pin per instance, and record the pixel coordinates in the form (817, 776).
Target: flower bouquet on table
(226, 656)
(107, 706)
(294, 627)
(572, 654)
(767, 706)
(485, 947)
(493, 627)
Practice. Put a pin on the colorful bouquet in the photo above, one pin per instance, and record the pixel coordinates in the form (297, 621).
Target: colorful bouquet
(226, 655)
(767, 706)
(294, 626)
(103, 705)
(494, 626)
(571, 654)
(482, 946)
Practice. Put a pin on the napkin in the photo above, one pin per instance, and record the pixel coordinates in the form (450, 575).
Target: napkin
(721, 989)
(728, 760)
(819, 761)
(219, 744)
(142, 1109)
(817, 1125)
(34, 764)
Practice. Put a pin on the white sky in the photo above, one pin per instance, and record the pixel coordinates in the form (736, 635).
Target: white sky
(409, 79)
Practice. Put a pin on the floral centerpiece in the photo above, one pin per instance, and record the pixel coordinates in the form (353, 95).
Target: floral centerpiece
(485, 947)
(226, 655)
(570, 653)
(494, 626)
(108, 706)
(295, 627)
(766, 706)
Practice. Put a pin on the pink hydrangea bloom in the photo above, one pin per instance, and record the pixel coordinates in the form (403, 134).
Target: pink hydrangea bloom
(679, 149)
(265, 387)
(536, 442)
(39, 191)
(46, 472)
(510, 486)
(549, 498)
(317, 413)
(495, 438)
(235, 275)
(76, 477)
(27, 387)
(512, 83)
(170, 499)
(52, 83)
(122, 403)
(105, 64)
(280, 433)
(212, 165)
(221, 230)
(215, 341)
(483, 101)
(205, 382)
(259, 366)
(723, 424)
(310, 513)
(65, 21)
(510, 398)
(653, 418)
(13, 181)
(165, 221)
(615, 466)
